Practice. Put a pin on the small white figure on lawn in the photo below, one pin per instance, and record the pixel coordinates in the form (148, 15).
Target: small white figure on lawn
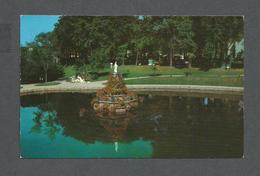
(111, 65)
(80, 79)
(115, 67)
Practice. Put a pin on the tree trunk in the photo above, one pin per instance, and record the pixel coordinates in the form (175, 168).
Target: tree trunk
(224, 50)
(199, 56)
(190, 63)
(46, 66)
(137, 57)
(171, 56)
(232, 53)
(215, 54)
(46, 76)
(189, 59)
(221, 55)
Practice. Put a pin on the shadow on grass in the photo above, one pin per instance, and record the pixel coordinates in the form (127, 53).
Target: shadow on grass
(125, 75)
(155, 74)
(95, 75)
(47, 84)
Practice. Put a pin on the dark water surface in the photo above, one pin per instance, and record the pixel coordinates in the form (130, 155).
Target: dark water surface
(64, 125)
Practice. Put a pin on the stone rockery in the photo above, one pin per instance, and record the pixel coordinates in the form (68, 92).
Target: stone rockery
(114, 97)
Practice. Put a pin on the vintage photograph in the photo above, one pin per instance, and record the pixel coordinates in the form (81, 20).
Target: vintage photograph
(131, 86)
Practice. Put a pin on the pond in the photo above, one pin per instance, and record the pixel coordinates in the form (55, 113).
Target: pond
(64, 125)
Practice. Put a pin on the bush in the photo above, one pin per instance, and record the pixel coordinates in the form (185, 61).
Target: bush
(31, 73)
(188, 73)
(93, 76)
(99, 58)
(154, 68)
(55, 71)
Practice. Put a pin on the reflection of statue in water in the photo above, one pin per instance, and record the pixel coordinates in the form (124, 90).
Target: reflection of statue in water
(240, 105)
(115, 67)
(82, 111)
(205, 101)
(115, 126)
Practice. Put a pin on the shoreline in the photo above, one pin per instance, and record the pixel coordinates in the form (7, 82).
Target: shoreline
(66, 87)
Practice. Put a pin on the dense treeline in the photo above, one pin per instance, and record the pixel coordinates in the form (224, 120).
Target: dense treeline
(205, 42)
(133, 40)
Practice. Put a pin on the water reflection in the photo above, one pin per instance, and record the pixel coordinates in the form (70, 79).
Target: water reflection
(115, 126)
(162, 127)
(45, 121)
(205, 101)
(241, 105)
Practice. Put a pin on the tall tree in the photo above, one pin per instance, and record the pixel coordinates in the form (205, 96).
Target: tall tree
(41, 53)
(176, 33)
(214, 37)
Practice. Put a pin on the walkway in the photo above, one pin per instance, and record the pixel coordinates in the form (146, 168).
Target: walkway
(65, 86)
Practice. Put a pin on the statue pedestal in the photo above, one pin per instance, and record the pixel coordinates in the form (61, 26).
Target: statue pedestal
(115, 98)
(116, 74)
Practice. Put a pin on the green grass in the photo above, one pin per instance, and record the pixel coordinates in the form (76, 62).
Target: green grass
(69, 71)
(217, 77)
(191, 80)
(128, 71)
(47, 84)
(135, 71)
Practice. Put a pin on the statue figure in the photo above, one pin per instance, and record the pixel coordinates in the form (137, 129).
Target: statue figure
(115, 67)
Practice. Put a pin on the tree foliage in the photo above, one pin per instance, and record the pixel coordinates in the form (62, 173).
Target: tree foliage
(207, 42)
(38, 60)
(214, 37)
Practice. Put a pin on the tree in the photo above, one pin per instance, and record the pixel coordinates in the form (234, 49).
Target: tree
(38, 60)
(42, 52)
(81, 36)
(210, 38)
(142, 37)
(176, 32)
(99, 58)
(214, 37)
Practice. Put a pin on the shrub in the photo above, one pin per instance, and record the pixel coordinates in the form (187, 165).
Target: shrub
(31, 73)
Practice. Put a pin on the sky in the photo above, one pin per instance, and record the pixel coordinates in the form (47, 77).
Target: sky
(32, 25)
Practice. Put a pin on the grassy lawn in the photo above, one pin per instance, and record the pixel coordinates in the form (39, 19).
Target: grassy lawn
(129, 71)
(217, 77)
(47, 84)
(69, 71)
(191, 80)
(137, 71)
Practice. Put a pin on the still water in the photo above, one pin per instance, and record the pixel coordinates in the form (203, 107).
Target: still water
(64, 125)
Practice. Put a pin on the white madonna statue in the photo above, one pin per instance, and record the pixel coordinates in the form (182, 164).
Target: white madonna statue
(115, 67)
